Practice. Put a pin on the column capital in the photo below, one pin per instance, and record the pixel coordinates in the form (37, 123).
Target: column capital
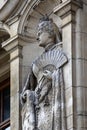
(12, 43)
(14, 46)
(67, 10)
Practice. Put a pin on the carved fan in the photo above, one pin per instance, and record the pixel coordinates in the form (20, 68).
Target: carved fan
(55, 57)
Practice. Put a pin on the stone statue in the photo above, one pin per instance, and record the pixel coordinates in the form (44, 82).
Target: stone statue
(44, 88)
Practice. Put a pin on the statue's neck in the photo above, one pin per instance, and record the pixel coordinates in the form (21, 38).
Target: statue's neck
(49, 46)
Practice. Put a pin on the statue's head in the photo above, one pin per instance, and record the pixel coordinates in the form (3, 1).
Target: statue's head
(48, 32)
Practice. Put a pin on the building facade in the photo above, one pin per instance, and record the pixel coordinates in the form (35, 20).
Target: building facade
(19, 47)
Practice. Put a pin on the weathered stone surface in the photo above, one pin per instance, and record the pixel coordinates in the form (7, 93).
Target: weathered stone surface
(74, 37)
(46, 97)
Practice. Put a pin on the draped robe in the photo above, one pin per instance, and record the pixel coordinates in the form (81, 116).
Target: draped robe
(49, 97)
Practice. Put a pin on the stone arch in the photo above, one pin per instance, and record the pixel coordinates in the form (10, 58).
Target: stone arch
(7, 9)
(28, 29)
(31, 15)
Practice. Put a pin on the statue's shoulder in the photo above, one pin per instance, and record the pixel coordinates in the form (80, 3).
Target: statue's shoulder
(57, 46)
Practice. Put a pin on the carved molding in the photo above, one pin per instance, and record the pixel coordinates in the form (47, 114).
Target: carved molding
(7, 9)
(67, 10)
(12, 43)
(66, 7)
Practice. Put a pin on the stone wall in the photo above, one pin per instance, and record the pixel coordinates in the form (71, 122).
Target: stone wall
(80, 84)
(23, 50)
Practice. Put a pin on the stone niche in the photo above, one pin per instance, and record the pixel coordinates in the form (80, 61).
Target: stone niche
(29, 30)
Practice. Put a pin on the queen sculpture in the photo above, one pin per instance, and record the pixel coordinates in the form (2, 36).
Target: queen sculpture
(44, 87)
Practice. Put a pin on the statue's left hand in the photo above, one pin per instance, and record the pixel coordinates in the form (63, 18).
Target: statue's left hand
(47, 74)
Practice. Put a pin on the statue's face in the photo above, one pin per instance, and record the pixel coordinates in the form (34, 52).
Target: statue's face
(45, 33)
(44, 39)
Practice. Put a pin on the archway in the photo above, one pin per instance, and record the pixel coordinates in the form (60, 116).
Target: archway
(34, 11)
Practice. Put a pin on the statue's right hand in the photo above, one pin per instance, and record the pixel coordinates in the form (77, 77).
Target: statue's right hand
(23, 97)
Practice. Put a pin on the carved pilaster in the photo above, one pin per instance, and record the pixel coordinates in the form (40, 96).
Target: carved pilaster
(14, 47)
(67, 11)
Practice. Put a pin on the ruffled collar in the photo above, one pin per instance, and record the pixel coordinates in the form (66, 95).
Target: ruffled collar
(52, 46)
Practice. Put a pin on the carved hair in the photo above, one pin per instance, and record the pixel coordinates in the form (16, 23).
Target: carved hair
(46, 24)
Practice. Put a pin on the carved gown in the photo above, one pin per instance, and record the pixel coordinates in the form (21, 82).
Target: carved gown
(49, 93)
(49, 104)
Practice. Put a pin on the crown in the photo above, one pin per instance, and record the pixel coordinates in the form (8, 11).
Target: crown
(45, 25)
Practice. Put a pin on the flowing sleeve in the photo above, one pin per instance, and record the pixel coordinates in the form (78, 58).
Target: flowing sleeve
(58, 101)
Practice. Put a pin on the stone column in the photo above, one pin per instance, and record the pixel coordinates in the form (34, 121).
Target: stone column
(14, 47)
(67, 11)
